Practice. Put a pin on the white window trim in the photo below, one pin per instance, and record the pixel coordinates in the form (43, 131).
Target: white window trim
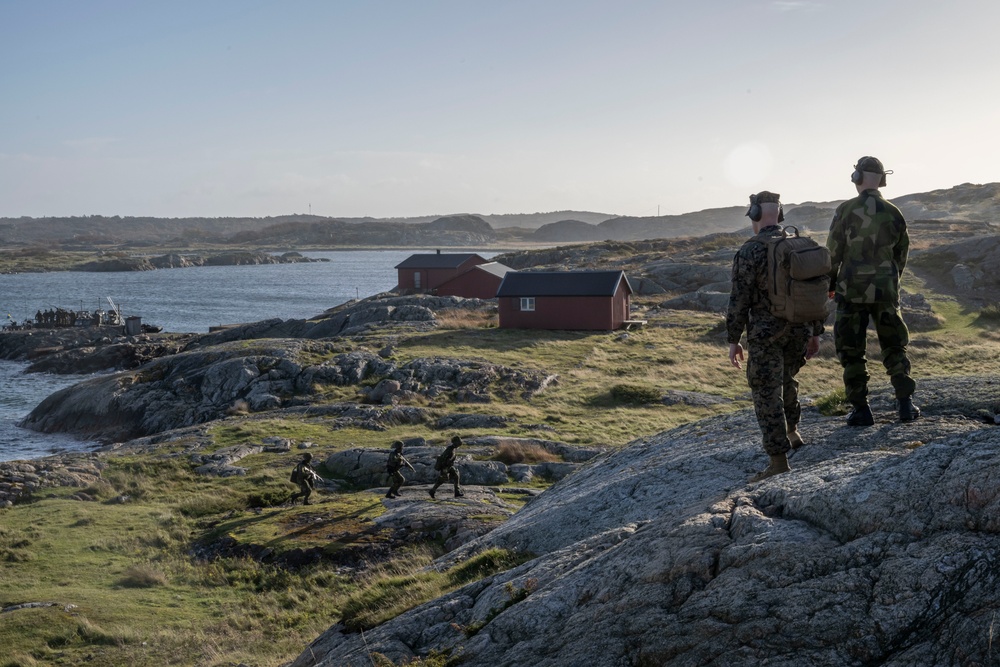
(527, 303)
(416, 280)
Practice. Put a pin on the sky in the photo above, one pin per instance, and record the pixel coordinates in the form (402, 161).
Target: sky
(396, 108)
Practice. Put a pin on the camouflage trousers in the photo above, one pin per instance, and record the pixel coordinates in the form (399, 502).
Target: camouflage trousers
(850, 334)
(446, 474)
(305, 490)
(397, 481)
(771, 370)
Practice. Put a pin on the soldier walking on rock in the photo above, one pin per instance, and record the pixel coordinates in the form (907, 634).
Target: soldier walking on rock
(395, 463)
(445, 465)
(305, 477)
(777, 349)
(868, 245)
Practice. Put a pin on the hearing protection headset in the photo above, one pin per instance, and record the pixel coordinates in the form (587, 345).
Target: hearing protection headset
(858, 174)
(755, 212)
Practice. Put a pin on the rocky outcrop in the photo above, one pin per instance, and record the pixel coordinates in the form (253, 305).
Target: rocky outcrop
(204, 384)
(452, 523)
(971, 267)
(879, 547)
(20, 480)
(84, 350)
(349, 319)
(177, 261)
(365, 468)
(118, 264)
(477, 462)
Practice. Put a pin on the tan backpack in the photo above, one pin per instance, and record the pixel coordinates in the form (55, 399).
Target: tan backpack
(797, 276)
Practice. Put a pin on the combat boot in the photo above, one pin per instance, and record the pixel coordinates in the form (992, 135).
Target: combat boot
(907, 410)
(778, 465)
(861, 415)
(795, 438)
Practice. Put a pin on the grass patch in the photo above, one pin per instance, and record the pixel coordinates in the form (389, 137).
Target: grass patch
(463, 318)
(632, 394)
(988, 316)
(390, 591)
(833, 404)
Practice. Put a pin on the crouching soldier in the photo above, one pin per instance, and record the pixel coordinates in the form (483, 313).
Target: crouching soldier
(445, 465)
(395, 463)
(305, 477)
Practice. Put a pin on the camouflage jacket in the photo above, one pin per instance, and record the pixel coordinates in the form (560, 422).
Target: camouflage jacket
(446, 459)
(396, 461)
(868, 246)
(749, 303)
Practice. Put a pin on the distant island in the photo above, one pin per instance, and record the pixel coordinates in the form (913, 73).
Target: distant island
(147, 235)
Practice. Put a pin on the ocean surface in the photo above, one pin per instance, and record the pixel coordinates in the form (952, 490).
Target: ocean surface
(179, 300)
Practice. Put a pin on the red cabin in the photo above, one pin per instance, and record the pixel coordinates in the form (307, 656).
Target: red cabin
(479, 282)
(423, 273)
(572, 300)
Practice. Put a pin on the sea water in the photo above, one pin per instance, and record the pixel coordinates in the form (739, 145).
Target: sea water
(179, 300)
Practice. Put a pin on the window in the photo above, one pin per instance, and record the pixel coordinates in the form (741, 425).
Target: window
(416, 280)
(527, 303)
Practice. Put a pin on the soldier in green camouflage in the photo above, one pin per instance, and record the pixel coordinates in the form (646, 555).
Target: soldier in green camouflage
(777, 349)
(868, 244)
(305, 477)
(445, 467)
(393, 466)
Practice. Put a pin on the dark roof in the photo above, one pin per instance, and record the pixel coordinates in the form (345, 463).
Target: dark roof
(444, 260)
(562, 283)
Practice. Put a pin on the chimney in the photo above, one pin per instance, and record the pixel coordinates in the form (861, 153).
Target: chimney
(439, 251)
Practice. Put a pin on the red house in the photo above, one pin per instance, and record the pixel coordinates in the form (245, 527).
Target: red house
(479, 282)
(575, 300)
(422, 273)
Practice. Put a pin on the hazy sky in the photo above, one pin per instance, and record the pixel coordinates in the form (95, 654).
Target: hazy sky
(423, 107)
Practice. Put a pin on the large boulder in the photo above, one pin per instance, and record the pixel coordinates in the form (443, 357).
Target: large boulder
(879, 547)
(365, 467)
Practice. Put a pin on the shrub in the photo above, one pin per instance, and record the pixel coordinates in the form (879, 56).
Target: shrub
(486, 563)
(267, 497)
(516, 452)
(989, 315)
(459, 318)
(142, 576)
(834, 403)
(633, 394)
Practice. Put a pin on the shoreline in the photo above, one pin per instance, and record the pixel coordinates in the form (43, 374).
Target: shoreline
(61, 261)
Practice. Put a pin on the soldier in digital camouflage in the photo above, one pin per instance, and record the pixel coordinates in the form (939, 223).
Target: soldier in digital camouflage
(868, 244)
(777, 349)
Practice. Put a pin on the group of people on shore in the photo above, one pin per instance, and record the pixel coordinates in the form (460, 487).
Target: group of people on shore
(306, 477)
(868, 245)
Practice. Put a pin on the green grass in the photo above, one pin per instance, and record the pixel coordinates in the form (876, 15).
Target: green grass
(391, 590)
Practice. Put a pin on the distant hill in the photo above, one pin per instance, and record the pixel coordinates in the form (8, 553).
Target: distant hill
(967, 203)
